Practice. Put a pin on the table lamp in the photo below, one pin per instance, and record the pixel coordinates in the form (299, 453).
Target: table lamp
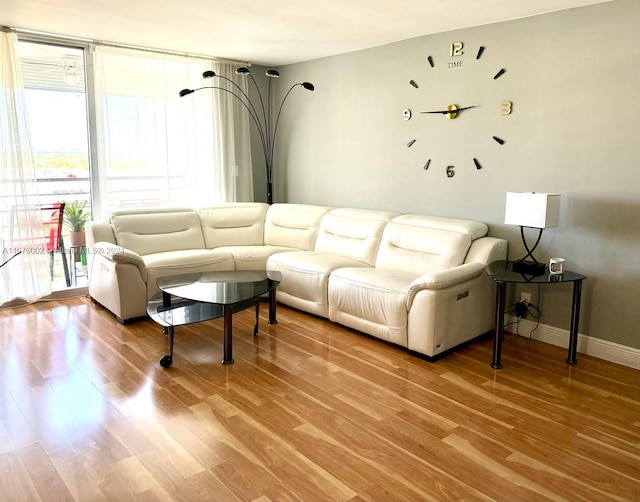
(531, 210)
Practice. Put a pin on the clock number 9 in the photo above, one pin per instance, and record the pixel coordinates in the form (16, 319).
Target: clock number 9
(406, 114)
(506, 108)
(450, 172)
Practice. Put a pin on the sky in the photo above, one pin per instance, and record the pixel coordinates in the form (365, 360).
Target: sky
(57, 120)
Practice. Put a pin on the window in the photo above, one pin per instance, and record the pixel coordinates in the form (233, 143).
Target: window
(57, 109)
(107, 125)
(149, 146)
(150, 134)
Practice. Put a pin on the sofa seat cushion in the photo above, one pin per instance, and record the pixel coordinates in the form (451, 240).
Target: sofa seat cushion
(372, 300)
(305, 278)
(184, 262)
(253, 257)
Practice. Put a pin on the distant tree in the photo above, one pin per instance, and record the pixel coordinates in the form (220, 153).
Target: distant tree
(68, 161)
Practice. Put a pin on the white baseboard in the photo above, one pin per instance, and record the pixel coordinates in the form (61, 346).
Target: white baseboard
(602, 349)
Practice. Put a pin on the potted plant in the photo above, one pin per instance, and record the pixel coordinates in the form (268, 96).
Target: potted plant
(75, 218)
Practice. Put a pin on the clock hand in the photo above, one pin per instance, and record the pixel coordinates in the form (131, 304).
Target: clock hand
(444, 112)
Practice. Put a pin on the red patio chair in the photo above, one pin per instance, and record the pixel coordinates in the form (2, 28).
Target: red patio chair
(52, 218)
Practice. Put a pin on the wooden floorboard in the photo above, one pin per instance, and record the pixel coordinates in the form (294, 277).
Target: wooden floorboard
(310, 411)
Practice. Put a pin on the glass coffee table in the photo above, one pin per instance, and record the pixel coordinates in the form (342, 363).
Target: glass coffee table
(191, 298)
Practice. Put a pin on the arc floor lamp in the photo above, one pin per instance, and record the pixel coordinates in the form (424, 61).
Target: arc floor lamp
(260, 115)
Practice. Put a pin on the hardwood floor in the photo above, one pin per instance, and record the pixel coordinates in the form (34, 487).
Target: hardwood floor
(310, 411)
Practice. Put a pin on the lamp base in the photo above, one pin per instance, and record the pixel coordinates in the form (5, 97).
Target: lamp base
(528, 267)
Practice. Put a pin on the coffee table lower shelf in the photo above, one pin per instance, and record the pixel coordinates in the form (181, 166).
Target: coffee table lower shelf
(175, 311)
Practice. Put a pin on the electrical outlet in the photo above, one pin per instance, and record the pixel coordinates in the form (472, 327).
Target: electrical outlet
(525, 298)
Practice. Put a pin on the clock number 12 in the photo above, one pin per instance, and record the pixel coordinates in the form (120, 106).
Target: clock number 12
(455, 49)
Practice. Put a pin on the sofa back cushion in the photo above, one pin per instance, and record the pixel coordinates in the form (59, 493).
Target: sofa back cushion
(233, 224)
(293, 225)
(352, 233)
(154, 230)
(422, 244)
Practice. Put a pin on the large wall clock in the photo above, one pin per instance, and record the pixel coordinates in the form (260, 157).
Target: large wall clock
(445, 104)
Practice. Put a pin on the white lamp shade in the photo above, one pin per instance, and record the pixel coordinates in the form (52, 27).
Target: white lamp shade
(531, 209)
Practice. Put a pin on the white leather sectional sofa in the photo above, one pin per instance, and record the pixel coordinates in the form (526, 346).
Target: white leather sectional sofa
(415, 281)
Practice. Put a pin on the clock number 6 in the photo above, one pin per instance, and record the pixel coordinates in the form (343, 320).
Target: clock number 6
(450, 172)
(506, 108)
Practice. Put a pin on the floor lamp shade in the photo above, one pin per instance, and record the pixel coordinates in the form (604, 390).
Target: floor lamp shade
(531, 209)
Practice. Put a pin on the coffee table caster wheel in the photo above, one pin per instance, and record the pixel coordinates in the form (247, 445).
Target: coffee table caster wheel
(166, 361)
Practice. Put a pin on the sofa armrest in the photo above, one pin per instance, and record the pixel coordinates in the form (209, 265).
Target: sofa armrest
(442, 279)
(99, 231)
(118, 254)
(487, 250)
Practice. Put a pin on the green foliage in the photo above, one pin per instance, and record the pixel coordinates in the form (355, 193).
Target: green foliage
(75, 216)
(64, 161)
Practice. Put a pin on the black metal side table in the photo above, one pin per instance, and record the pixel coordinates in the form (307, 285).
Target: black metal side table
(502, 272)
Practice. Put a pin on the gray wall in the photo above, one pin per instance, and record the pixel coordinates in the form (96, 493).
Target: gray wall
(574, 80)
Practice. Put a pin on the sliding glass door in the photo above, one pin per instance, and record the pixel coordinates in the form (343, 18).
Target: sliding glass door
(56, 105)
(108, 129)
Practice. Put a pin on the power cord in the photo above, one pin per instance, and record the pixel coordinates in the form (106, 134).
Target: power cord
(518, 315)
(522, 310)
(538, 313)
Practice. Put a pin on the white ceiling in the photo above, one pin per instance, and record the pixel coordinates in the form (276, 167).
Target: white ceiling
(268, 32)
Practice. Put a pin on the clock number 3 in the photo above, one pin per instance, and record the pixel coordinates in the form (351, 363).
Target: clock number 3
(506, 108)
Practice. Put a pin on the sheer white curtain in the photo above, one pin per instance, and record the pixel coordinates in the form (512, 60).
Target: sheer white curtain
(25, 273)
(157, 148)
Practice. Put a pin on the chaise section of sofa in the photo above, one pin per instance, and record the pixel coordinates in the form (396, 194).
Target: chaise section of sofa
(428, 290)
